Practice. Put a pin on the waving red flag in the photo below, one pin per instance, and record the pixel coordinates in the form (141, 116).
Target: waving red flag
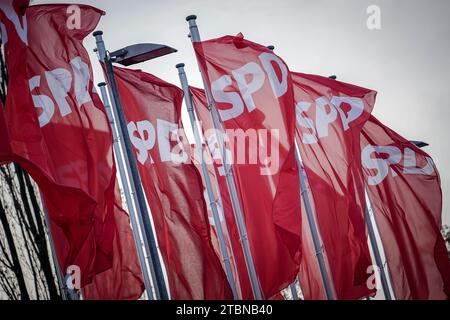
(203, 113)
(309, 275)
(405, 192)
(123, 281)
(173, 186)
(221, 210)
(60, 133)
(252, 91)
(5, 147)
(330, 116)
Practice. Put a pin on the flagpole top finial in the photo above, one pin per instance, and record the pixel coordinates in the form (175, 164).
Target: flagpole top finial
(98, 33)
(180, 65)
(191, 17)
(101, 84)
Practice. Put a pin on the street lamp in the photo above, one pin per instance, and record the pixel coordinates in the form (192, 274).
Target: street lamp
(141, 52)
(128, 56)
(419, 144)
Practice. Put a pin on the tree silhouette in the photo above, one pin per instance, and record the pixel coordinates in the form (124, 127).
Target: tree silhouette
(446, 233)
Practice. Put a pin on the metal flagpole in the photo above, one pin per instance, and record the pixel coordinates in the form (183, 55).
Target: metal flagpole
(328, 286)
(312, 223)
(131, 165)
(208, 184)
(66, 293)
(254, 281)
(376, 250)
(293, 291)
(127, 192)
(226, 231)
(371, 226)
(58, 272)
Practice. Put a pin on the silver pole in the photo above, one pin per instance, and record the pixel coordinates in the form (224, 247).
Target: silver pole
(371, 226)
(328, 286)
(206, 177)
(61, 283)
(312, 222)
(254, 281)
(376, 250)
(122, 157)
(293, 291)
(66, 293)
(132, 170)
(127, 192)
(226, 232)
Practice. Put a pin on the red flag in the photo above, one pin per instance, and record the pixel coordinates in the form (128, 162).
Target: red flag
(5, 147)
(277, 296)
(60, 132)
(220, 208)
(124, 280)
(309, 275)
(172, 185)
(330, 116)
(200, 104)
(20, 6)
(405, 192)
(252, 91)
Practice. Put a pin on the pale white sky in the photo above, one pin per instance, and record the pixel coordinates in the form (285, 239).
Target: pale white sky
(407, 61)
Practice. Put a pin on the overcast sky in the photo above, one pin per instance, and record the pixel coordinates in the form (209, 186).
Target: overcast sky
(406, 61)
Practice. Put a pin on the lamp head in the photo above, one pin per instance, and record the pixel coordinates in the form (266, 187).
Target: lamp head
(139, 53)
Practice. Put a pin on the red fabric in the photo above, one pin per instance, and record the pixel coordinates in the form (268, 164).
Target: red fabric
(220, 207)
(405, 192)
(20, 6)
(60, 132)
(269, 192)
(172, 185)
(200, 104)
(277, 296)
(309, 275)
(328, 130)
(5, 148)
(124, 280)
(44, 151)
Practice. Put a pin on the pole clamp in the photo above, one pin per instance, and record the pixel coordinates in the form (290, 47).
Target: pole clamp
(320, 251)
